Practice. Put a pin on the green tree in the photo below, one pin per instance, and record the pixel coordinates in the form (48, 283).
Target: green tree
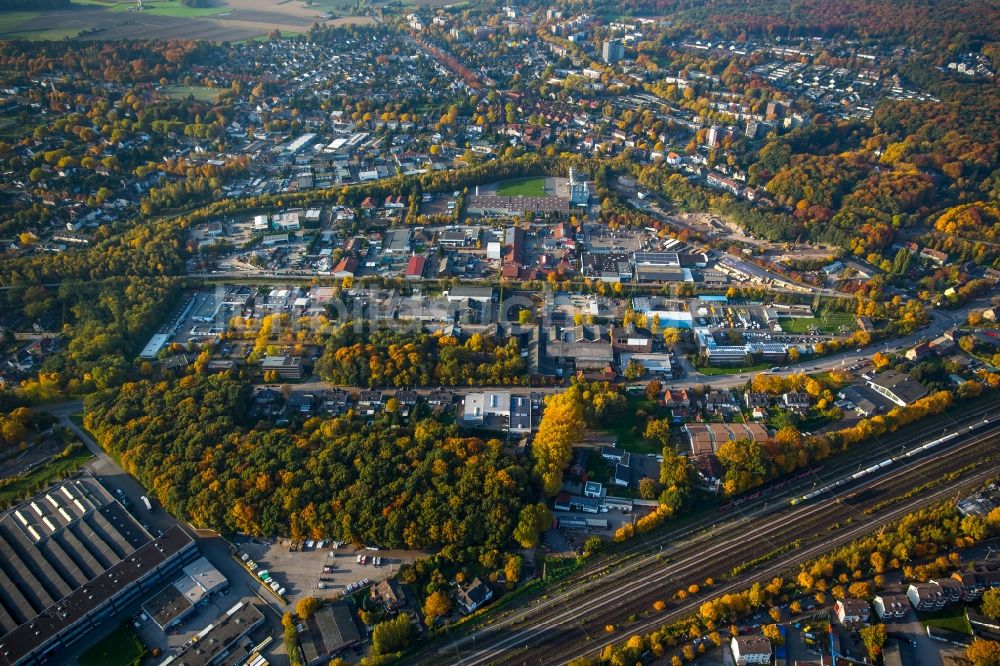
(393, 635)
(991, 603)
(534, 519)
(634, 370)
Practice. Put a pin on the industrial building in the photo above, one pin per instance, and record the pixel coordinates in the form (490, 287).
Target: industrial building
(186, 594)
(73, 557)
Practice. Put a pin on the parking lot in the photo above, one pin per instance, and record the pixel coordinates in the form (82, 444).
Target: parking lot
(301, 573)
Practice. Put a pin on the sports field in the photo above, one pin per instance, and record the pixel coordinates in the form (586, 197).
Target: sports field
(200, 93)
(828, 322)
(524, 187)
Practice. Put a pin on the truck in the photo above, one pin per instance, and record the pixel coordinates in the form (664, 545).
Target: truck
(146, 503)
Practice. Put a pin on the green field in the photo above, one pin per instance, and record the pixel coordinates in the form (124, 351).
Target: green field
(11, 27)
(19, 487)
(828, 322)
(200, 93)
(120, 648)
(952, 618)
(174, 8)
(524, 187)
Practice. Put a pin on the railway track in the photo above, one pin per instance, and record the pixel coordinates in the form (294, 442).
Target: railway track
(576, 616)
(636, 554)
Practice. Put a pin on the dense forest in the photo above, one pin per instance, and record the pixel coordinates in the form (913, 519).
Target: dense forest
(422, 486)
(393, 358)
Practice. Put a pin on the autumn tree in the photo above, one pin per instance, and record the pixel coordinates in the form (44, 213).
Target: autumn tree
(438, 604)
(306, 606)
(983, 653)
(873, 636)
(560, 427)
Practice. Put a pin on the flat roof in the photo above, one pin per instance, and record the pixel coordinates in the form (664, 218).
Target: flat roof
(153, 347)
(217, 637)
(166, 606)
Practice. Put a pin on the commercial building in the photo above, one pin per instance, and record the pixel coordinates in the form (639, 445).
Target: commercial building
(329, 630)
(287, 367)
(72, 558)
(214, 643)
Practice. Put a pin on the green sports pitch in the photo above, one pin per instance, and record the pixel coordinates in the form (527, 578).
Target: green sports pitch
(524, 187)
(830, 322)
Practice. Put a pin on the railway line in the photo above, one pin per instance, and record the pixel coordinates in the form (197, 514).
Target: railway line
(641, 550)
(577, 615)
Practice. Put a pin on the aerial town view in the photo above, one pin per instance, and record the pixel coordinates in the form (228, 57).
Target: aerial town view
(472, 332)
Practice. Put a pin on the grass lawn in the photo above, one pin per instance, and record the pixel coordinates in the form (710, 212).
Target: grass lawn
(828, 322)
(952, 618)
(17, 487)
(121, 648)
(628, 427)
(526, 187)
(714, 372)
(200, 93)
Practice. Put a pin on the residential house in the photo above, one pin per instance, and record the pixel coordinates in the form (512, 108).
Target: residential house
(757, 399)
(891, 607)
(918, 352)
(972, 586)
(926, 596)
(335, 402)
(951, 588)
(474, 596)
(370, 402)
(852, 611)
(898, 387)
(676, 398)
(721, 402)
(936, 256)
(751, 649)
(796, 400)
(390, 594)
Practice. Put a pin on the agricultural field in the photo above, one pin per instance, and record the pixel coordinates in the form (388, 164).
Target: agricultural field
(828, 322)
(226, 20)
(525, 187)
